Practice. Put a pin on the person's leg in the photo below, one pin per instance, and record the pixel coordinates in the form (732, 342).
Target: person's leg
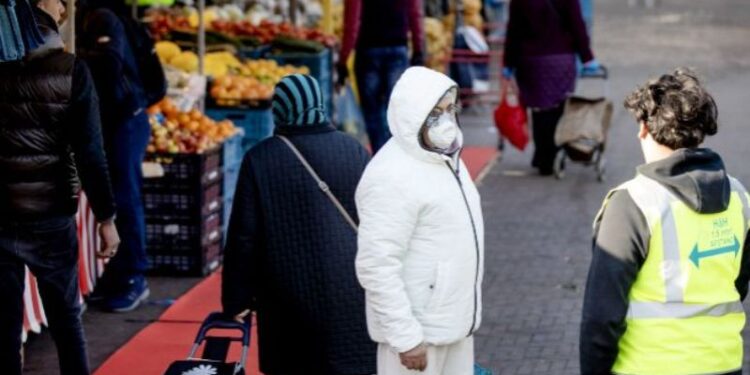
(459, 358)
(124, 273)
(367, 66)
(394, 65)
(50, 249)
(12, 284)
(544, 123)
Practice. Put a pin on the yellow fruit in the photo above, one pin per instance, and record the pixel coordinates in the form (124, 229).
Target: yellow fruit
(215, 69)
(186, 61)
(167, 50)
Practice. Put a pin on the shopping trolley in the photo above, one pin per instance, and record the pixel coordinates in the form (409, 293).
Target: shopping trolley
(582, 131)
(213, 359)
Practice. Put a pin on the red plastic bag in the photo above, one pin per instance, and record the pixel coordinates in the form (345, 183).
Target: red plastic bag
(510, 117)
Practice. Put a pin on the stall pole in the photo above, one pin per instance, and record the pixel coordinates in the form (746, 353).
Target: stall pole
(327, 16)
(134, 9)
(293, 12)
(201, 36)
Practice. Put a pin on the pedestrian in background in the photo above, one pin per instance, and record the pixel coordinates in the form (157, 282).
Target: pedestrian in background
(670, 263)
(50, 137)
(543, 39)
(107, 49)
(421, 237)
(379, 31)
(290, 252)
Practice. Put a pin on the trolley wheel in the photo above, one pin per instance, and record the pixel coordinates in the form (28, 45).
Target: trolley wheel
(601, 169)
(559, 166)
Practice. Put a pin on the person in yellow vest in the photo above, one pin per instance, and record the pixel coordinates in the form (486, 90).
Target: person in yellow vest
(670, 264)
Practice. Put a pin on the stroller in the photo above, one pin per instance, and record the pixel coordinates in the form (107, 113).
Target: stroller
(582, 131)
(213, 360)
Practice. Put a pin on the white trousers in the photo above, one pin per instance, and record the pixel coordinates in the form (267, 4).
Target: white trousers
(454, 359)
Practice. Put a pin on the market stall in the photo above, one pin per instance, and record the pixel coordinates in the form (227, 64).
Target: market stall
(222, 63)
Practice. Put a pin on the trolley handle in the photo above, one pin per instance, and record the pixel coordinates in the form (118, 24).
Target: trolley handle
(602, 73)
(217, 320)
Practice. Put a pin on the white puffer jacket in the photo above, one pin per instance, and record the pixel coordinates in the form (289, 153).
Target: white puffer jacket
(421, 234)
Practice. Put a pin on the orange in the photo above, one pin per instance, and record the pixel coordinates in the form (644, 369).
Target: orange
(193, 126)
(183, 119)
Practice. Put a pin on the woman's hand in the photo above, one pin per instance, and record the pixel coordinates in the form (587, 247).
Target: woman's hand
(415, 359)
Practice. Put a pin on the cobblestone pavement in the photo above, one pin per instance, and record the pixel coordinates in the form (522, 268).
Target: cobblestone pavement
(539, 229)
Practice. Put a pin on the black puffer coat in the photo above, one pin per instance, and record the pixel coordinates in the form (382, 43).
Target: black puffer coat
(290, 256)
(50, 134)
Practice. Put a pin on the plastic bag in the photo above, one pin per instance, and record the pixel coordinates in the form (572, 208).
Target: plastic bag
(349, 115)
(510, 117)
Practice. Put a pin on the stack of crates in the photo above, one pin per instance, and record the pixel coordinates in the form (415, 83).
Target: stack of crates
(184, 210)
(233, 155)
(256, 122)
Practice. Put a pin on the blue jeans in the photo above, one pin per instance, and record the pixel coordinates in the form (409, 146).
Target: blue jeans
(377, 71)
(125, 154)
(50, 249)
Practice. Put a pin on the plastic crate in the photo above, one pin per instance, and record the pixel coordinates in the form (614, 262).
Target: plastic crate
(183, 246)
(256, 122)
(201, 263)
(321, 67)
(189, 204)
(185, 170)
(233, 152)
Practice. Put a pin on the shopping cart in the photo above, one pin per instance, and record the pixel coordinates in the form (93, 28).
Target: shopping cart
(582, 131)
(213, 359)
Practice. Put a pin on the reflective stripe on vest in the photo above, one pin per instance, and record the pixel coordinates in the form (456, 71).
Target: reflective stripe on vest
(673, 310)
(684, 314)
(737, 186)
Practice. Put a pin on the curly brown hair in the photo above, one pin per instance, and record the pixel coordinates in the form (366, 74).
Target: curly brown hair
(677, 109)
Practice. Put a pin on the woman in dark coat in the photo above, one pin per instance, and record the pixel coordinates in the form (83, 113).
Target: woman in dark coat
(543, 39)
(290, 253)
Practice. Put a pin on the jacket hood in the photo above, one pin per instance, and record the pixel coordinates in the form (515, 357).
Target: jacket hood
(52, 41)
(696, 176)
(414, 96)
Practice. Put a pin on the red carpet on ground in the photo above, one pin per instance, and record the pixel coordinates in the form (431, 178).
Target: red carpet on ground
(169, 339)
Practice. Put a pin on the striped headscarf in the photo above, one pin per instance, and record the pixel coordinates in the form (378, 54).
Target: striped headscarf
(298, 101)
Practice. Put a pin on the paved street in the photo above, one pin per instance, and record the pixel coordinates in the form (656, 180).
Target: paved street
(539, 229)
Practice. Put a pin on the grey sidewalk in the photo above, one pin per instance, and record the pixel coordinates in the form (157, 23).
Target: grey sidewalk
(539, 229)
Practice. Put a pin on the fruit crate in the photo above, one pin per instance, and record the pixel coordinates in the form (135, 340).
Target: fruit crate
(180, 203)
(257, 123)
(321, 67)
(185, 170)
(184, 247)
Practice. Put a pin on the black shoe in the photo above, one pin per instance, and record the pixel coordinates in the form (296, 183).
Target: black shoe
(546, 171)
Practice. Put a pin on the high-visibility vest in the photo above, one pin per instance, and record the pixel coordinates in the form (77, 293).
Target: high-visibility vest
(685, 316)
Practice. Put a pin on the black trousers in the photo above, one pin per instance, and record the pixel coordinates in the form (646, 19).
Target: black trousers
(50, 249)
(544, 124)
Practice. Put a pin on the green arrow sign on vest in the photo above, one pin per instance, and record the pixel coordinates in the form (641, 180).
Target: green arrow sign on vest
(696, 255)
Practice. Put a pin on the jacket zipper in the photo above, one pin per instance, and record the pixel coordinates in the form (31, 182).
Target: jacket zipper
(476, 247)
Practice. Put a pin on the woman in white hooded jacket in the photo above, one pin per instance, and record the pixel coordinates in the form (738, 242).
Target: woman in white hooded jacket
(421, 235)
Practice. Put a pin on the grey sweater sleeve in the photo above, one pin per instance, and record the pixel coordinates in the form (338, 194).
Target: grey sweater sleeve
(621, 237)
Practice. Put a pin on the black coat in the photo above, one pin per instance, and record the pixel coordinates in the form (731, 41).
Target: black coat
(290, 255)
(50, 134)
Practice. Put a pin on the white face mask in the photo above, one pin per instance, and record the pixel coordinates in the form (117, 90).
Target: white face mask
(444, 133)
